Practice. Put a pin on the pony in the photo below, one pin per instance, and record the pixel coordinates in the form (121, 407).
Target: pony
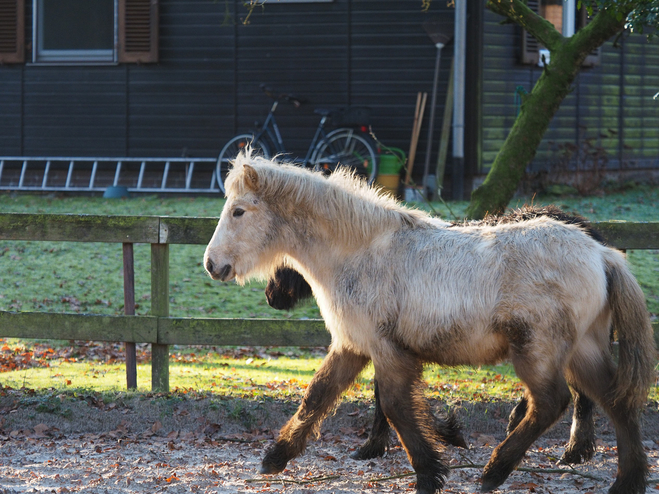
(540, 292)
(287, 287)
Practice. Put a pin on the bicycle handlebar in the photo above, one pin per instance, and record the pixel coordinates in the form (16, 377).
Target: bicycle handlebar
(285, 97)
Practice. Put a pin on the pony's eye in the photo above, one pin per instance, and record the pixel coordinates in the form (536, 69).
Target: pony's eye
(238, 212)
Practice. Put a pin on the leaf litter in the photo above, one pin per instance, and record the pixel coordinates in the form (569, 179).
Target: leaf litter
(162, 443)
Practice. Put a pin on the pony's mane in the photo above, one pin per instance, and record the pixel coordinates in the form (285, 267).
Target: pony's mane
(364, 209)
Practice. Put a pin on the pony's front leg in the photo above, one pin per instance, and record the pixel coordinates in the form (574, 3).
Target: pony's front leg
(338, 371)
(399, 376)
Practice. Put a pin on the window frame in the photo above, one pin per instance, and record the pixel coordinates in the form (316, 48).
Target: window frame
(70, 57)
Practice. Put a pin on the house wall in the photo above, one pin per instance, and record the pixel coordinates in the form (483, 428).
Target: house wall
(611, 104)
(205, 87)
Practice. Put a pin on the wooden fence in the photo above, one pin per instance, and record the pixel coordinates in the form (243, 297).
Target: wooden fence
(159, 329)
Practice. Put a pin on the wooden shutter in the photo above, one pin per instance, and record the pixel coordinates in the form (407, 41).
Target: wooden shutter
(12, 31)
(530, 47)
(138, 31)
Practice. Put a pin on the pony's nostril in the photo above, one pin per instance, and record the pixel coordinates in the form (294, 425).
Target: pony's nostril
(209, 266)
(224, 272)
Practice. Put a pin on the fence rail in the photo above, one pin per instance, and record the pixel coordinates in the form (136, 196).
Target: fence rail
(159, 329)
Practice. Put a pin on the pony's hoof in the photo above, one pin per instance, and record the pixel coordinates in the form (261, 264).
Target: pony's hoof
(369, 451)
(431, 483)
(577, 455)
(634, 483)
(491, 484)
(270, 468)
(273, 463)
(459, 441)
(488, 487)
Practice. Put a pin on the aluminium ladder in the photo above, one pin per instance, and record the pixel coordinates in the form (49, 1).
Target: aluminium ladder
(95, 174)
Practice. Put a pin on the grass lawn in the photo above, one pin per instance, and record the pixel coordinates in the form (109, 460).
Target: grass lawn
(87, 278)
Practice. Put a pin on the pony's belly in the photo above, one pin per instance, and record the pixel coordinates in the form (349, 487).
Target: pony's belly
(485, 351)
(459, 346)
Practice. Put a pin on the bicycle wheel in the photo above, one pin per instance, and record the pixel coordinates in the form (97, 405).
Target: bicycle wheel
(231, 150)
(347, 148)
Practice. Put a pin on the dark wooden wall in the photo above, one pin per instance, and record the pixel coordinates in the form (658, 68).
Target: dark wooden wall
(614, 96)
(205, 87)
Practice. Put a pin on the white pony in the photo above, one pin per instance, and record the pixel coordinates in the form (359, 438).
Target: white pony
(400, 289)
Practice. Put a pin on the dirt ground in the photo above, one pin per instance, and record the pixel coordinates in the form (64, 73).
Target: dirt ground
(162, 444)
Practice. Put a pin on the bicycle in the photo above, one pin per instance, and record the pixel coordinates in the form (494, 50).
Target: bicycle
(347, 146)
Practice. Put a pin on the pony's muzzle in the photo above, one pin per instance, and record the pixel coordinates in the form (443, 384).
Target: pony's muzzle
(225, 273)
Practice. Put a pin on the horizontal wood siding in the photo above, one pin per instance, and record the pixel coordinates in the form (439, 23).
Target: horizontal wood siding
(11, 122)
(184, 104)
(392, 59)
(205, 86)
(181, 106)
(294, 48)
(592, 111)
(640, 112)
(74, 111)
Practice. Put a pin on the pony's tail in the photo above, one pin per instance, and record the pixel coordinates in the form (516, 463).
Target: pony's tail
(631, 323)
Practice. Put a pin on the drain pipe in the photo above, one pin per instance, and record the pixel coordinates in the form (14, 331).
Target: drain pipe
(459, 59)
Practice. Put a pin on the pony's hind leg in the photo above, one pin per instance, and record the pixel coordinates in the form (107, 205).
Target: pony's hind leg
(547, 397)
(446, 425)
(582, 435)
(597, 378)
(338, 370)
(401, 395)
(581, 447)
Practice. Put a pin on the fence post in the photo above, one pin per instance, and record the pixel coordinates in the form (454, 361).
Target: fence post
(160, 307)
(129, 310)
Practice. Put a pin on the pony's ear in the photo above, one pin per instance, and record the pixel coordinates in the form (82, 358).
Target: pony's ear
(251, 177)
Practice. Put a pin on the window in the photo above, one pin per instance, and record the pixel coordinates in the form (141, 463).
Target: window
(81, 31)
(74, 31)
(565, 17)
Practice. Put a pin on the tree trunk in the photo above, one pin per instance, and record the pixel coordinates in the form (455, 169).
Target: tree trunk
(539, 106)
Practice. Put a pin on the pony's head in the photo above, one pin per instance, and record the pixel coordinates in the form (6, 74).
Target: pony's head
(277, 210)
(244, 244)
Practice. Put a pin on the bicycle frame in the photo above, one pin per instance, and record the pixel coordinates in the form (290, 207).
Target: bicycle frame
(271, 130)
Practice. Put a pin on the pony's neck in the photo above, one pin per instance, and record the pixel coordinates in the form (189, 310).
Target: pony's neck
(346, 218)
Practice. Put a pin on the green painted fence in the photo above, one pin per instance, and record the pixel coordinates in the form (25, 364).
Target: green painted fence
(159, 329)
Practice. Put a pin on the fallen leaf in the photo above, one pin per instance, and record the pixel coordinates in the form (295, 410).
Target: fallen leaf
(212, 429)
(41, 429)
(523, 485)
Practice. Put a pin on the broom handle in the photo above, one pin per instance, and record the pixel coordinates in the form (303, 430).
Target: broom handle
(418, 121)
(409, 154)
